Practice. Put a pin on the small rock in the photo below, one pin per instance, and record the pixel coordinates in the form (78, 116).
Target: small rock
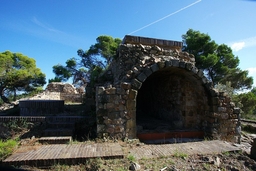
(217, 161)
(134, 166)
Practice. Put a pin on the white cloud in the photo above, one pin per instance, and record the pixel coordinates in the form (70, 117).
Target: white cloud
(248, 42)
(252, 71)
(237, 46)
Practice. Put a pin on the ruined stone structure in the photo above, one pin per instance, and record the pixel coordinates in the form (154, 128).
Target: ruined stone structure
(60, 91)
(152, 86)
(51, 101)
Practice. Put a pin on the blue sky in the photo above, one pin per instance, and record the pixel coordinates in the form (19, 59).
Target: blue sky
(51, 31)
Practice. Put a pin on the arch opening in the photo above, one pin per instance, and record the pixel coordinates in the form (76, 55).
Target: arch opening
(171, 103)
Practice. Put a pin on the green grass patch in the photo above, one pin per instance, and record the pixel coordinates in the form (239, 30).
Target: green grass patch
(180, 154)
(6, 148)
(131, 158)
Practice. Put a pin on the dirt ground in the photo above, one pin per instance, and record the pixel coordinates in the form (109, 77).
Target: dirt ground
(228, 161)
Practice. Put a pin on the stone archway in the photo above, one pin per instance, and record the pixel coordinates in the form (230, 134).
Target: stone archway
(171, 99)
(152, 78)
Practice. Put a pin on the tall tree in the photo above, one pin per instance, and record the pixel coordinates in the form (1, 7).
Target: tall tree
(18, 73)
(217, 61)
(91, 62)
(248, 100)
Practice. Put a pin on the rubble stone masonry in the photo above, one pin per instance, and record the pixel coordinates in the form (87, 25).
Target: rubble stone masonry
(154, 78)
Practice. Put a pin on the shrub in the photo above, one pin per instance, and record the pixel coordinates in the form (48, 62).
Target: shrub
(6, 148)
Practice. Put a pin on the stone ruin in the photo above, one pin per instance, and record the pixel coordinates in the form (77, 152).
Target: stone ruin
(51, 101)
(154, 87)
(61, 91)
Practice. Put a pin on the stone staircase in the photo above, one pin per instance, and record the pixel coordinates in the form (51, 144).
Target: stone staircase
(59, 129)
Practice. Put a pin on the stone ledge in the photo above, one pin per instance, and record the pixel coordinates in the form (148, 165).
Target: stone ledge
(168, 44)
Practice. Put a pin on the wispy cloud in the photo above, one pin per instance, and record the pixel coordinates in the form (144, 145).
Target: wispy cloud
(44, 30)
(44, 26)
(239, 45)
(169, 15)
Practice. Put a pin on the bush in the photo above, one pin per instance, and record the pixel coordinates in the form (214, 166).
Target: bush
(6, 148)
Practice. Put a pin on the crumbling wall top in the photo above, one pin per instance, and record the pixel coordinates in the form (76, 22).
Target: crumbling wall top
(166, 44)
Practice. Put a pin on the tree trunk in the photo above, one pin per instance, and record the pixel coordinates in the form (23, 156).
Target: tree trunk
(2, 96)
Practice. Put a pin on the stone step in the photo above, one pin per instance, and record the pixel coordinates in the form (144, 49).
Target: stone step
(57, 132)
(61, 125)
(71, 119)
(44, 118)
(55, 140)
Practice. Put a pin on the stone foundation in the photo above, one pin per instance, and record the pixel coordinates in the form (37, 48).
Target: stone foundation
(159, 83)
(41, 107)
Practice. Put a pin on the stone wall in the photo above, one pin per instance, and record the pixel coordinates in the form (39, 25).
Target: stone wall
(161, 82)
(41, 107)
(60, 91)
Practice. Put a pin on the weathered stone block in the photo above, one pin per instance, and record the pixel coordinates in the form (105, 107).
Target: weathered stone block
(194, 70)
(125, 85)
(102, 112)
(222, 109)
(110, 105)
(107, 121)
(100, 90)
(189, 66)
(136, 84)
(113, 115)
(131, 114)
(131, 104)
(119, 128)
(121, 107)
(182, 64)
(161, 65)
(111, 90)
(100, 128)
(132, 133)
(175, 62)
(120, 91)
(154, 68)
(224, 116)
(118, 121)
(168, 63)
(112, 98)
(200, 73)
(142, 77)
(110, 130)
(236, 110)
(132, 94)
(147, 72)
(130, 124)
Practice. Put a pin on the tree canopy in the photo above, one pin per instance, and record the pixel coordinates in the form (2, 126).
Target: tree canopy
(18, 73)
(217, 61)
(90, 63)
